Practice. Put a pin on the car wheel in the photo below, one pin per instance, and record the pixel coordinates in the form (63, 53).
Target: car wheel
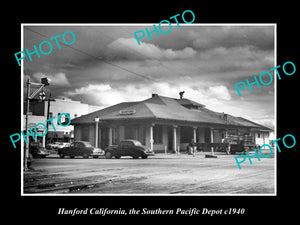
(29, 160)
(85, 156)
(135, 157)
(118, 156)
(61, 156)
(144, 157)
(95, 156)
(108, 155)
(72, 157)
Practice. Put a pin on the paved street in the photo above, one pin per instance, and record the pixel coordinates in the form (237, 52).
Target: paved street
(160, 174)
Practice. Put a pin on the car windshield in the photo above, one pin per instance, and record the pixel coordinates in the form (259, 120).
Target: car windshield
(87, 144)
(137, 143)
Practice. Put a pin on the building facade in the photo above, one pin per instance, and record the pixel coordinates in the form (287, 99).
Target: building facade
(163, 123)
(38, 111)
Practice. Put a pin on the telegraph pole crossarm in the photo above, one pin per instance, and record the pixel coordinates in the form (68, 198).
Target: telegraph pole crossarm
(44, 82)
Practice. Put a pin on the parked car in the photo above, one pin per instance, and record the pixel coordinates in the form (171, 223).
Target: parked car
(241, 143)
(57, 145)
(80, 148)
(38, 151)
(128, 147)
(53, 146)
(63, 144)
(29, 160)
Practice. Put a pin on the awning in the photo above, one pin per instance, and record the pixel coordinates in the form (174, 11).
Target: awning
(55, 134)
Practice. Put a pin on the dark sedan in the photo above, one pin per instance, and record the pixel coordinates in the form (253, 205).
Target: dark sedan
(80, 148)
(131, 148)
(37, 150)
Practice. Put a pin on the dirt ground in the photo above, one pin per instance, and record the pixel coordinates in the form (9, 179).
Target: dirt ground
(160, 175)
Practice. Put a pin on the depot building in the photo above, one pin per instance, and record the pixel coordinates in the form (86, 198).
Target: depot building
(163, 123)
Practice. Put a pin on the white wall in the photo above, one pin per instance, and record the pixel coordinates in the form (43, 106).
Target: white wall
(92, 134)
(74, 108)
(263, 139)
(77, 132)
(200, 137)
(121, 133)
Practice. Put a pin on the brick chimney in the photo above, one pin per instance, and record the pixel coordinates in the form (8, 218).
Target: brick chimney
(225, 117)
(181, 94)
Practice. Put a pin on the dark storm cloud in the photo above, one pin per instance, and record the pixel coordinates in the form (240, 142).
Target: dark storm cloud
(234, 36)
(105, 65)
(108, 43)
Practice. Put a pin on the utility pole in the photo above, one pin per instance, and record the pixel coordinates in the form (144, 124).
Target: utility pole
(26, 126)
(48, 114)
(97, 119)
(44, 82)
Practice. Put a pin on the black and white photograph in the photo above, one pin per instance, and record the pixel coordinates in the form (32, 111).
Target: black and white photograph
(138, 109)
(149, 112)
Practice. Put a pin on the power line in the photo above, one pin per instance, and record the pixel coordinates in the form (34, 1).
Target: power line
(133, 51)
(95, 57)
(152, 58)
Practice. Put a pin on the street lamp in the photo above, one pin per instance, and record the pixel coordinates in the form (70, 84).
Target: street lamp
(97, 119)
(44, 82)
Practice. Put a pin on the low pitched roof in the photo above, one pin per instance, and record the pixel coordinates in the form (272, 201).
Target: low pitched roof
(188, 102)
(89, 118)
(160, 107)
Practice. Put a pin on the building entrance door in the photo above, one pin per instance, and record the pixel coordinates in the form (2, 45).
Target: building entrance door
(104, 137)
(170, 138)
(207, 135)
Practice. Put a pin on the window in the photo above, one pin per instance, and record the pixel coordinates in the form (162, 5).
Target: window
(64, 120)
(126, 144)
(80, 145)
(131, 132)
(129, 144)
(86, 144)
(258, 134)
(187, 133)
(76, 145)
(122, 145)
(85, 133)
(137, 143)
(157, 134)
(115, 135)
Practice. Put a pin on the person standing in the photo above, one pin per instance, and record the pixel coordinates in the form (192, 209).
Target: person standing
(192, 147)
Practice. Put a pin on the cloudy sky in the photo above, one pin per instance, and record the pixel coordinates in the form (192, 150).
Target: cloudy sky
(105, 65)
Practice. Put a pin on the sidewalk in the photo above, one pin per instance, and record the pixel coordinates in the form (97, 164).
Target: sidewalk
(172, 155)
(186, 156)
